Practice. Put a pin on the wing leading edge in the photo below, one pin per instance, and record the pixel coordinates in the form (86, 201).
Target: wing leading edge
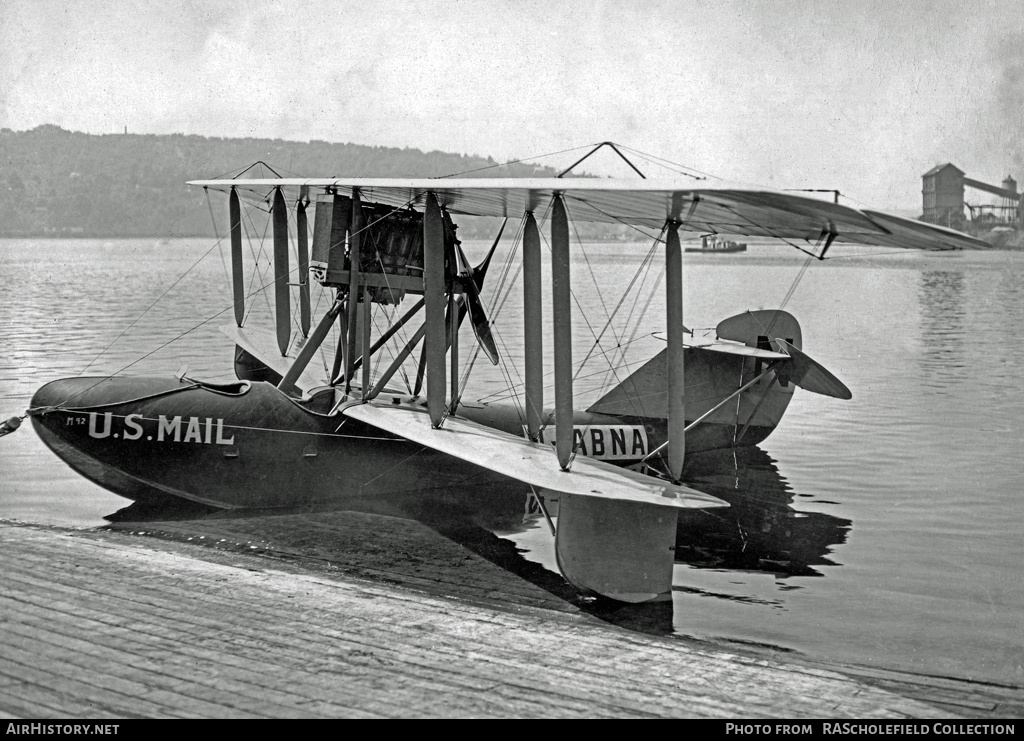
(724, 209)
(531, 463)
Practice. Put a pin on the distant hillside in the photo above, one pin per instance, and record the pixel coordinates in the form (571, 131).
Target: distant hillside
(62, 183)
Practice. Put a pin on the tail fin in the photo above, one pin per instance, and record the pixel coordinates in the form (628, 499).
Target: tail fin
(759, 328)
(779, 331)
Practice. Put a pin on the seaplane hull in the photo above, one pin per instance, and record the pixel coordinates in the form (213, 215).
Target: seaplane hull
(256, 448)
(250, 445)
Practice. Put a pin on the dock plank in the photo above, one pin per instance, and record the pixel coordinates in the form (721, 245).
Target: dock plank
(116, 624)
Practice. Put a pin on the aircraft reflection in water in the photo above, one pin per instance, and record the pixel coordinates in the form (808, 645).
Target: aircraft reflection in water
(760, 531)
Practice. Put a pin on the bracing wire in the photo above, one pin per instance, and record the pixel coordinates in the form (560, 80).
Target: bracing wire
(146, 310)
(514, 162)
(644, 268)
(247, 217)
(509, 393)
(502, 291)
(669, 164)
(497, 301)
(261, 289)
(216, 234)
(600, 296)
(583, 313)
(618, 306)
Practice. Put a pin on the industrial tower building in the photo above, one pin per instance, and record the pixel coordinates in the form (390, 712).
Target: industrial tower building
(942, 191)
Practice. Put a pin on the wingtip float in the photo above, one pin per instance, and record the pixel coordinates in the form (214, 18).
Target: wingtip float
(283, 435)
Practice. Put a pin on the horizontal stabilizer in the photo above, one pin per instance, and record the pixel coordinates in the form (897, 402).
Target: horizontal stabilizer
(532, 463)
(810, 375)
(262, 345)
(729, 348)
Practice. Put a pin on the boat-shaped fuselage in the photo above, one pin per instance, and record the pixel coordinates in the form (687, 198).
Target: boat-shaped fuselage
(250, 444)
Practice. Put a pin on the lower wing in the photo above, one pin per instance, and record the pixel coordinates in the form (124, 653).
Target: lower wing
(532, 463)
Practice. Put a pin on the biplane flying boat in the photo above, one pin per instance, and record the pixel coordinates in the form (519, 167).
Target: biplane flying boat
(282, 435)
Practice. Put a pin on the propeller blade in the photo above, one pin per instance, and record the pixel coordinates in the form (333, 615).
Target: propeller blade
(481, 326)
(803, 371)
(421, 370)
(477, 315)
(474, 305)
(481, 270)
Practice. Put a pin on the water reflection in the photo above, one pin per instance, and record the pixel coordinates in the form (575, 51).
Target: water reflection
(761, 531)
(943, 315)
(469, 516)
(170, 509)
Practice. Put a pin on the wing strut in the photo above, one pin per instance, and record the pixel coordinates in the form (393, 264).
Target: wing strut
(302, 239)
(533, 332)
(354, 290)
(674, 361)
(561, 315)
(391, 332)
(282, 304)
(339, 352)
(433, 291)
(603, 144)
(235, 220)
(397, 362)
(287, 383)
(364, 339)
(453, 343)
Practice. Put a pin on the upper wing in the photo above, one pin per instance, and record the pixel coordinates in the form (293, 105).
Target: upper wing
(905, 232)
(532, 463)
(649, 203)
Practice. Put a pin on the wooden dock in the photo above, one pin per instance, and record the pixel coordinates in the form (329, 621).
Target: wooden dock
(365, 615)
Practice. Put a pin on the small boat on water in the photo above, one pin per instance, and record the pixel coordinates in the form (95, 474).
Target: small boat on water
(714, 243)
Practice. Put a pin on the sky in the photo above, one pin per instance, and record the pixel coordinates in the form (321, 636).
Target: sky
(856, 95)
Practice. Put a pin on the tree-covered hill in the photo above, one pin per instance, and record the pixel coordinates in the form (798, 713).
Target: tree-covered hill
(55, 182)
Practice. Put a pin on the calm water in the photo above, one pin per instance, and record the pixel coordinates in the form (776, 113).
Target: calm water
(885, 530)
